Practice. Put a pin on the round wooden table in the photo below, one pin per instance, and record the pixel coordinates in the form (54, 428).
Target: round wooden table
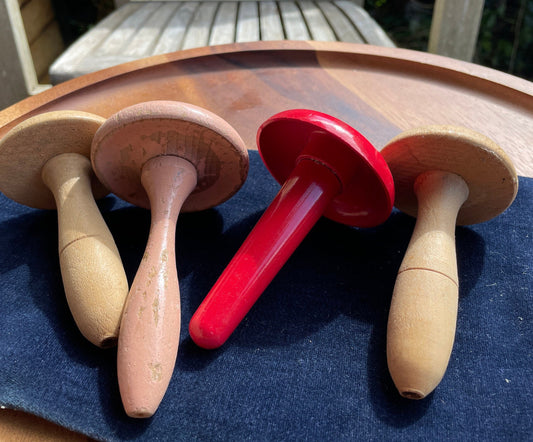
(379, 91)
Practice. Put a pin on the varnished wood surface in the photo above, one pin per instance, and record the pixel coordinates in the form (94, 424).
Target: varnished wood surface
(16, 426)
(380, 91)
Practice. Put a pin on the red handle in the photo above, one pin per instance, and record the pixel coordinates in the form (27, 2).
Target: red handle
(297, 207)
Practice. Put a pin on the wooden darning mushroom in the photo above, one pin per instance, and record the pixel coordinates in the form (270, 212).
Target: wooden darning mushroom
(443, 175)
(326, 168)
(168, 157)
(44, 163)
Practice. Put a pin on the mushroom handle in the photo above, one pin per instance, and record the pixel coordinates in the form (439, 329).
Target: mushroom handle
(94, 279)
(423, 311)
(150, 329)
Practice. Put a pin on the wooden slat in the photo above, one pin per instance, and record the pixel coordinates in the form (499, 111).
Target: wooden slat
(120, 2)
(120, 37)
(248, 22)
(270, 21)
(200, 27)
(455, 27)
(36, 15)
(365, 25)
(224, 26)
(173, 35)
(343, 27)
(319, 28)
(293, 21)
(141, 29)
(145, 40)
(82, 55)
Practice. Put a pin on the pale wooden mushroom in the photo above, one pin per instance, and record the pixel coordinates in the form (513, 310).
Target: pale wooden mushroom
(443, 175)
(162, 155)
(44, 163)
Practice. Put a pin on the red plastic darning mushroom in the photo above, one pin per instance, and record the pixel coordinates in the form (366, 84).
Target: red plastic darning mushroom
(170, 157)
(326, 168)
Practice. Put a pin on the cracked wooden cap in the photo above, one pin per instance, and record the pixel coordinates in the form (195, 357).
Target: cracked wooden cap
(143, 131)
(28, 146)
(487, 170)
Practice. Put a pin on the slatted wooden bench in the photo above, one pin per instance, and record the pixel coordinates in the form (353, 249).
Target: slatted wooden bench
(143, 28)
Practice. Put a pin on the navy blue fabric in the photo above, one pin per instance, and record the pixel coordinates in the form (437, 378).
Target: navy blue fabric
(308, 362)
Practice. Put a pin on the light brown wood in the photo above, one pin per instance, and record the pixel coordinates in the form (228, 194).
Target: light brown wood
(46, 48)
(439, 172)
(169, 157)
(17, 426)
(44, 163)
(36, 15)
(488, 171)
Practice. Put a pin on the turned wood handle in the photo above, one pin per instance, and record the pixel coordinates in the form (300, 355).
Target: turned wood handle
(150, 328)
(423, 312)
(93, 275)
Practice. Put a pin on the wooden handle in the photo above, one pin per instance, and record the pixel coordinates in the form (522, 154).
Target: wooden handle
(150, 329)
(423, 310)
(93, 276)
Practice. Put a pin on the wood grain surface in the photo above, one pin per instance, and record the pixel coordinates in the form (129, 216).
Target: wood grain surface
(379, 91)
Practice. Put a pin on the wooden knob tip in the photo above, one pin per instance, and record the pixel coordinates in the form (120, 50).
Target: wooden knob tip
(140, 412)
(411, 393)
(108, 341)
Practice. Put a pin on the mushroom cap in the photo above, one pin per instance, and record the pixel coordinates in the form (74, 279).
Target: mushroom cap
(134, 135)
(26, 148)
(485, 167)
(367, 192)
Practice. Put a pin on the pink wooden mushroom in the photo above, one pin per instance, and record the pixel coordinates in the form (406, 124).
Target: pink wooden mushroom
(327, 168)
(44, 163)
(169, 157)
(443, 175)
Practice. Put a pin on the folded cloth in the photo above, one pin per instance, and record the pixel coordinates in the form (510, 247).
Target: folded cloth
(308, 362)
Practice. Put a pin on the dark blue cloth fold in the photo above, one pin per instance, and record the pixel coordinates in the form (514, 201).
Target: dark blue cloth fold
(308, 362)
